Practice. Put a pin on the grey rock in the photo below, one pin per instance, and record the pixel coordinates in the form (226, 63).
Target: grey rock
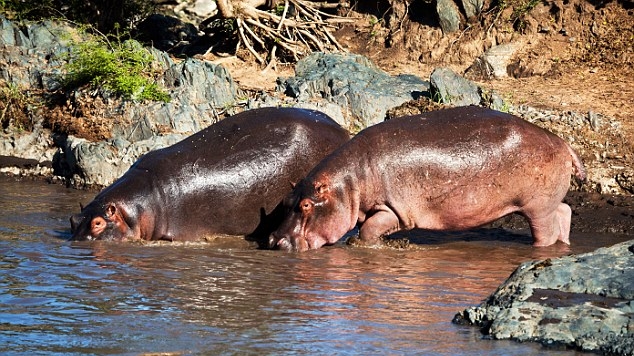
(362, 90)
(204, 8)
(450, 88)
(582, 301)
(41, 36)
(36, 145)
(494, 62)
(10, 34)
(472, 8)
(100, 163)
(448, 15)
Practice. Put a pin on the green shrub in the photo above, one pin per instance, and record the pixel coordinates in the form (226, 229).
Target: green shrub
(121, 67)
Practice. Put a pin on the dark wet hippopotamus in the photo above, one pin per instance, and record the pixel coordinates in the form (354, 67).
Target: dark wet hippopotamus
(226, 179)
(452, 169)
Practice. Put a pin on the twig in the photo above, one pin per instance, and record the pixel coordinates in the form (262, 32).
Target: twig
(253, 35)
(246, 42)
(279, 27)
(272, 61)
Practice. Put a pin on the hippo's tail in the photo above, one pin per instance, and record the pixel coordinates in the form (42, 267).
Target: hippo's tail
(577, 165)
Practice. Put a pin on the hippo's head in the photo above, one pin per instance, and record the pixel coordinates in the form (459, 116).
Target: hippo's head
(102, 221)
(316, 215)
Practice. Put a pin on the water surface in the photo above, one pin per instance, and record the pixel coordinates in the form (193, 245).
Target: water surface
(61, 297)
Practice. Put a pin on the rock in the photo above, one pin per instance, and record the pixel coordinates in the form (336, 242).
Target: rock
(494, 62)
(448, 15)
(362, 90)
(10, 34)
(36, 145)
(450, 88)
(204, 8)
(472, 8)
(581, 301)
(101, 163)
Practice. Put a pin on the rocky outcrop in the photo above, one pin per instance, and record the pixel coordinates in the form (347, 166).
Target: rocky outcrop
(31, 61)
(354, 83)
(583, 301)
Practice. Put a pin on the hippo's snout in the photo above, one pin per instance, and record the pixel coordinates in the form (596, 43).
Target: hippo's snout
(280, 242)
(287, 243)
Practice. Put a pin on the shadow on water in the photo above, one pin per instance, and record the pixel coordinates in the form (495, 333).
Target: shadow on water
(62, 297)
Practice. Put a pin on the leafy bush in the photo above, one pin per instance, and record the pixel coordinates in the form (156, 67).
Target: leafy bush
(122, 67)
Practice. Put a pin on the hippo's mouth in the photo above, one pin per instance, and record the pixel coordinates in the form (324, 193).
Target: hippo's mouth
(290, 244)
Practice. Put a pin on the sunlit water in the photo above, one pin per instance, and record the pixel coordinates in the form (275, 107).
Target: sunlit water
(59, 297)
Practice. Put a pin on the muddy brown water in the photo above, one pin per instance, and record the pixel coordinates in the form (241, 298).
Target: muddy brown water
(62, 297)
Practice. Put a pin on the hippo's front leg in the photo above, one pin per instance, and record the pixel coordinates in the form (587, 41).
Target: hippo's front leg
(377, 226)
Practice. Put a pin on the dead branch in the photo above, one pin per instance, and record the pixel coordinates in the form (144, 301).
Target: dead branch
(292, 28)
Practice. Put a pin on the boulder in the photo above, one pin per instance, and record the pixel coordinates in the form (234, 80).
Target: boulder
(353, 82)
(581, 301)
(472, 8)
(87, 163)
(10, 34)
(494, 62)
(448, 15)
(450, 88)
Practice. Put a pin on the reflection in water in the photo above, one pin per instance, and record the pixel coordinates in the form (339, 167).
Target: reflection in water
(107, 298)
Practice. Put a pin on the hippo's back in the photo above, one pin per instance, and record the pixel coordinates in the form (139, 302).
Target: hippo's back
(229, 177)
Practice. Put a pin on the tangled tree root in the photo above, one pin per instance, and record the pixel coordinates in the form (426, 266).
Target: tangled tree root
(292, 27)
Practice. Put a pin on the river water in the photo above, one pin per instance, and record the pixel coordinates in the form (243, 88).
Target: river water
(227, 298)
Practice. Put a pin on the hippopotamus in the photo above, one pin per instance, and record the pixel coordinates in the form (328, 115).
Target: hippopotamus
(227, 179)
(447, 170)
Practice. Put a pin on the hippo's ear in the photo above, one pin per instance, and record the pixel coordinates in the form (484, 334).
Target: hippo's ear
(111, 210)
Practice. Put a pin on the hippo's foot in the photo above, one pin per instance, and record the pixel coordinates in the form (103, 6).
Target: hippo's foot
(553, 227)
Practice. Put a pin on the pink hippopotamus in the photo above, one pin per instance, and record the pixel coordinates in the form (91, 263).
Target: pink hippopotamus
(448, 170)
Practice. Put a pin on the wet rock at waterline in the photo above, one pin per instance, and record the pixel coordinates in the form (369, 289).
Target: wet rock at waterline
(582, 301)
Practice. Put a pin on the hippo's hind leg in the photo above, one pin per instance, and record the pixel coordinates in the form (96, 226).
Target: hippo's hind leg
(553, 226)
(377, 226)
